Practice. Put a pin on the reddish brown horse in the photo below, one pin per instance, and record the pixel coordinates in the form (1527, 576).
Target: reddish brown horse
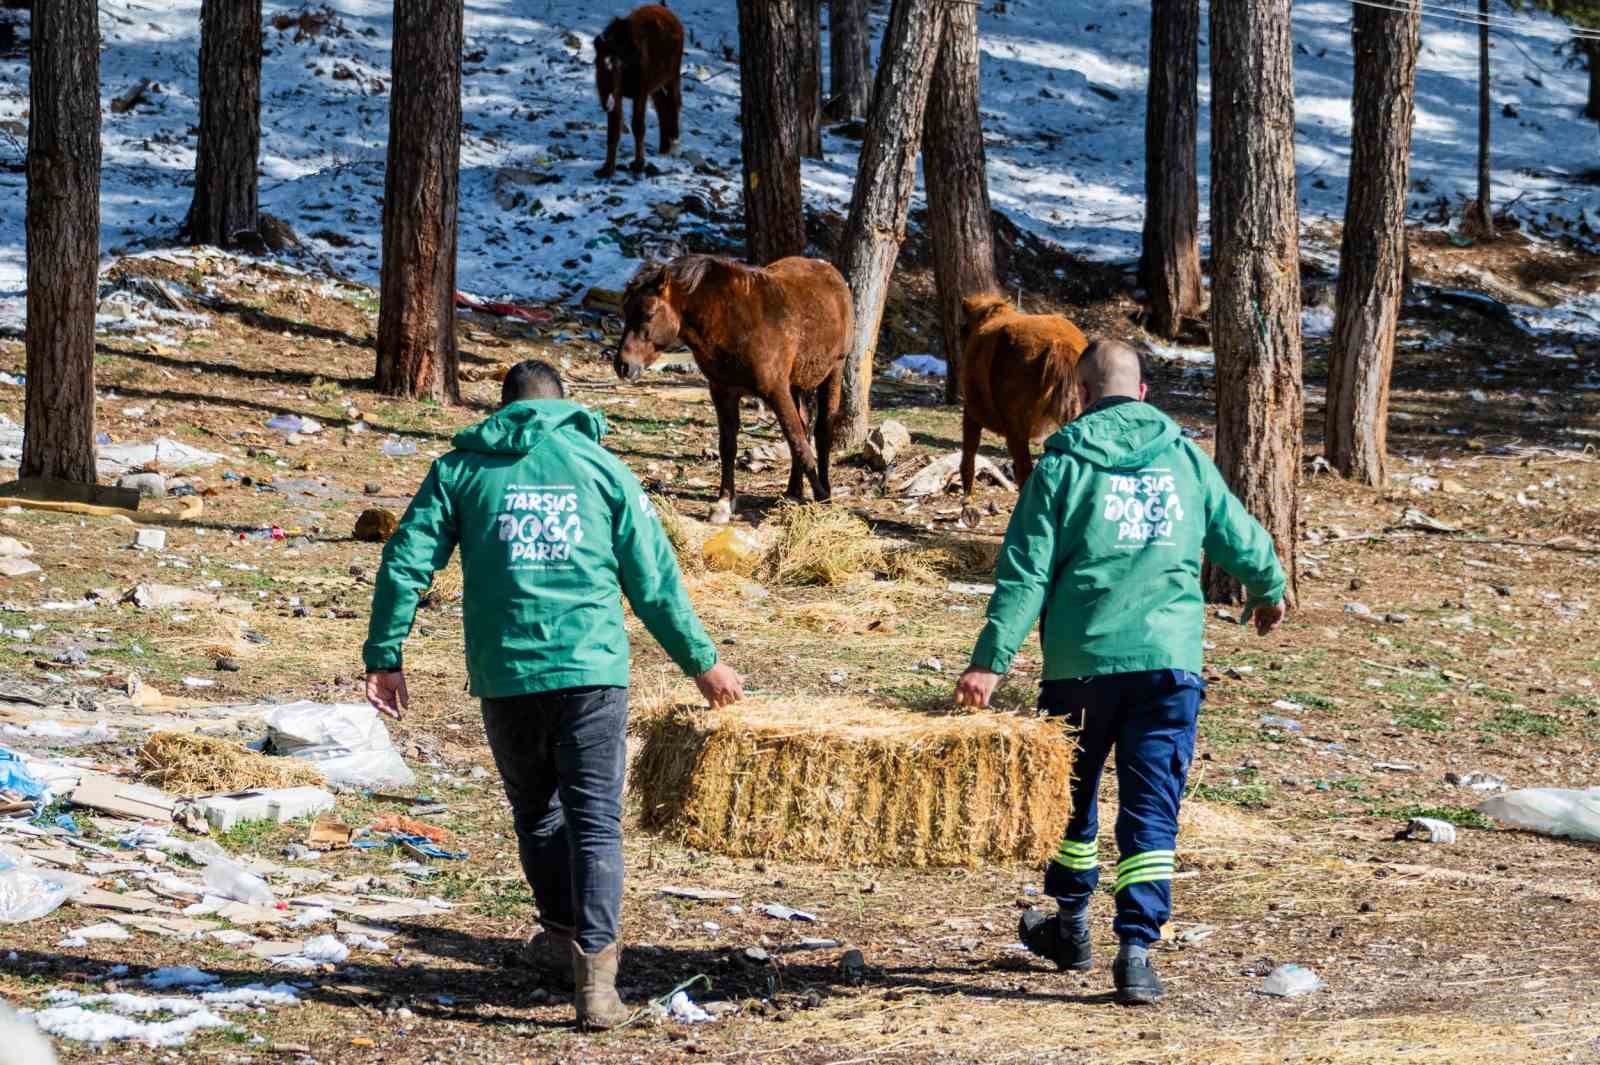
(1019, 378)
(639, 58)
(779, 332)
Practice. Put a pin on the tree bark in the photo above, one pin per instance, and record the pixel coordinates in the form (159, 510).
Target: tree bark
(811, 78)
(1591, 52)
(1373, 253)
(417, 355)
(849, 59)
(1485, 205)
(885, 178)
(63, 240)
(769, 115)
(1170, 265)
(1255, 302)
(955, 177)
(230, 122)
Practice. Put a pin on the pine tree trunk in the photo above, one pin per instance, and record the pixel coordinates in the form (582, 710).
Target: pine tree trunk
(885, 178)
(1170, 265)
(1485, 204)
(417, 355)
(1255, 301)
(1373, 253)
(849, 59)
(1591, 51)
(811, 78)
(954, 174)
(230, 122)
(769, 115)
(63, 240)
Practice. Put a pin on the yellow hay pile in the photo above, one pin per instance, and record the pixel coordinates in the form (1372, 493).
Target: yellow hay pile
(821, 544)
(840, 782)
(190, 764)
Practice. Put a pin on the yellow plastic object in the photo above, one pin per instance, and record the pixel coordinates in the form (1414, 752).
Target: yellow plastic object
(735, 550)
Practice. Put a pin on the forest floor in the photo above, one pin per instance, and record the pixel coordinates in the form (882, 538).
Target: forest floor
(1480, 653)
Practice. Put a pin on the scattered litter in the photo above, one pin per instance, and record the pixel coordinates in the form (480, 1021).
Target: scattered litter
(785, 913)
(150, 539)
(1359, 609)
(326, 949)
(1476, 781)
(1565, 812)
(171, 976)
(409, 826)
(28, 892)
(1197, 934)
(1287, 981)
(817, 944)
(327, 832)
(699, 894)
(82, 1025)
(103, 930)
(682, 1008)
(110, 795)
(417, 846)
(398, 449)
(1287, 706)
(967, 588)
(199, 682)
(17, 779)
(294, 423)
(18, 567)
(1430, 830)
(346, 741)
(733, 550)
(57, 734)
(935, 477)
(923, 365)
(1287, 724)
(230, 880)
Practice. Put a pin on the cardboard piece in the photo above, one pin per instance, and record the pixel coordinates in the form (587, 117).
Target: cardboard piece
(113, 796)
(97, 898)
(328, 833)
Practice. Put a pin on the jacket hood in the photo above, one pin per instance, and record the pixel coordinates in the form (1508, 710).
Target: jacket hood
(1126, 436)
(524, 425)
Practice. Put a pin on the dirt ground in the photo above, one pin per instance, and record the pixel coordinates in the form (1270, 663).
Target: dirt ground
(1479, 651)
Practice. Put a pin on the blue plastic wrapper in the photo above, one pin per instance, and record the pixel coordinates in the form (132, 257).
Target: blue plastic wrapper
(14, 776)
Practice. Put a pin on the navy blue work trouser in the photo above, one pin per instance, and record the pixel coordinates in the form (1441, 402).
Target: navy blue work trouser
(1149, 717)
(562, 755)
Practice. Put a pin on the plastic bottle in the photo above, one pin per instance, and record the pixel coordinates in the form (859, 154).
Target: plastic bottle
(1287, 981)
(397, 449)
(230, 880)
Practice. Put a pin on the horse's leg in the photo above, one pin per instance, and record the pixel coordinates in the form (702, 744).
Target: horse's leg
(613, 135)
(726, 402)
(640, 103)
(797, 488)
(672, 115)
(971, 437)
(803, 460)
(1021, 459)
(828, 396)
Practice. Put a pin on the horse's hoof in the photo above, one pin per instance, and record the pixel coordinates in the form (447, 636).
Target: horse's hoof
(722, 513)
(670, 150)
(637, 166)
(971, 517)
(605, 172)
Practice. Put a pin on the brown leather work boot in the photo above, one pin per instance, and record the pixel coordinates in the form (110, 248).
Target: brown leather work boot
(549, 954)
(596, 996)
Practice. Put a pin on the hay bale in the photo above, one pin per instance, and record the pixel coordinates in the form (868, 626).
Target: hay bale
(840, 782)
(189, 764)
(818, 543)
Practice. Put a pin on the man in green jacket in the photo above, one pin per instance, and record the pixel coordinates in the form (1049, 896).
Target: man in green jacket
(1104, 548)
(553, 532)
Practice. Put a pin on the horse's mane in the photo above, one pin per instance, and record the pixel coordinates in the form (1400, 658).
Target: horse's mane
(688, 273)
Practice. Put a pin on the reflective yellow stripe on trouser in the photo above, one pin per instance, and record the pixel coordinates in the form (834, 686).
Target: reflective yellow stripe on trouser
(1078, 855)
(1142, 868)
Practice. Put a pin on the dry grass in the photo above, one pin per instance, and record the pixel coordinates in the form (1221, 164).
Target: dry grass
(213, 635)
(838, 781)
(821, 544)
(683, 533)
(188, 764)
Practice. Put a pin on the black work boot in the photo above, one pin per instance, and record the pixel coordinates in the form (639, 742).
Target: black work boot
(1137, 982)
(1049, 938)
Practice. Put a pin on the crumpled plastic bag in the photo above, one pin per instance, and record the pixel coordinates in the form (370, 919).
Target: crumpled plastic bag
(28, 892)
(1549, 811)
(346, 741)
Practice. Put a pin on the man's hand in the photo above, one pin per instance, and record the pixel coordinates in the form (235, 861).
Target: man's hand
(1267, 617)
(721, 685)
(387, 693)
(976, 686)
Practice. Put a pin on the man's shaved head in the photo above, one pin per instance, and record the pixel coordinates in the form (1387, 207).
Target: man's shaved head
(1110, 368)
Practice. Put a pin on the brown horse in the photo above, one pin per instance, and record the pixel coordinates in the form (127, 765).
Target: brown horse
(779, 332)
(639, 57)
(1019, 378)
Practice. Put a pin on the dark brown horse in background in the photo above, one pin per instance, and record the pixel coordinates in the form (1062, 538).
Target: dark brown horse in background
(640, 58)
(779, 332)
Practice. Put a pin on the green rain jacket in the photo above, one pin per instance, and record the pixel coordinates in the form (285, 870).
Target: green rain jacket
(1104, 548)
(553, 531)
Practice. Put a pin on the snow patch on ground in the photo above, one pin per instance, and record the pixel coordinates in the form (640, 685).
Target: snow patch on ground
(1063, 100)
